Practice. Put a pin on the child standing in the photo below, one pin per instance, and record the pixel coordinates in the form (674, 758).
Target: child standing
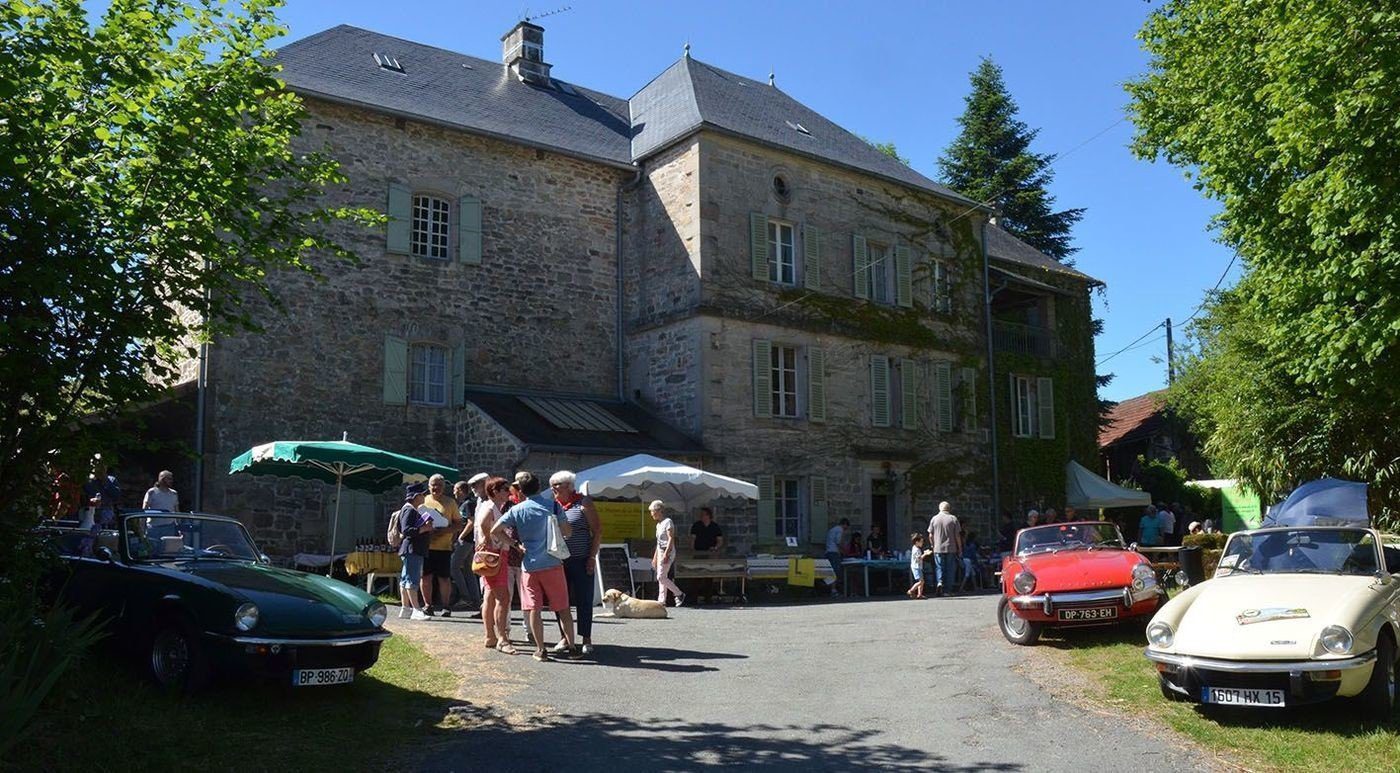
(917, 554)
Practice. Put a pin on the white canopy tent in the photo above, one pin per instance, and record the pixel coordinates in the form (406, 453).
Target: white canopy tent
(1084, 489)
(651, 477)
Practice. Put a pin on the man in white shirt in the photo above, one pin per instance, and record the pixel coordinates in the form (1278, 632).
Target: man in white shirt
(834, 536)
(945, 539)
(1167, 522)
(161, 496)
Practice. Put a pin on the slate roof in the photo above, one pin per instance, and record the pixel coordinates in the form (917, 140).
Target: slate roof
(456, 90)
(1001, 245)
(531, 428)
(1133, 418)
(690, 95)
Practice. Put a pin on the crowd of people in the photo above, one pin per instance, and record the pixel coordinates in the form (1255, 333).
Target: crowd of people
(948, 555)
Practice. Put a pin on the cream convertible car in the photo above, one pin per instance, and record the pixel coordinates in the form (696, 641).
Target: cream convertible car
(1293, 615)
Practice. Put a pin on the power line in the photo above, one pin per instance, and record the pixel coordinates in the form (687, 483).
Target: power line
(1218, 282)
(1134, 342)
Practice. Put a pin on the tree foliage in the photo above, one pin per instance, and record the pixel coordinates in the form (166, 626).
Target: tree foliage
(148, 186)
(991, 161)
(1285, 112)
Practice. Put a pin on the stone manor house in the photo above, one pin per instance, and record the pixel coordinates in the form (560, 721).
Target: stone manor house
(708, 271)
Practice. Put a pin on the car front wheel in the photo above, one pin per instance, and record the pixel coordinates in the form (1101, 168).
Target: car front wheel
(176, 658)
(1378, 699)
(1015, 628)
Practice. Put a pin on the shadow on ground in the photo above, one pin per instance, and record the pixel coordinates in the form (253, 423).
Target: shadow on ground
(606, 742)
(1076, 638)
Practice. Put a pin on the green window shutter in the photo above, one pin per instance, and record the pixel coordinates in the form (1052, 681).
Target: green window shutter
(762, 378)
(908, 394)
(816, 383)
(400, 212)
(395, 371)
(758, 245)
(969, 399)
(469, 229)
(811, 258)
(903, 276)
(767, 512)
(943, 394)
(817, 519)
(880, 391)
(861, 259)
(1045, 394)
(459, 376)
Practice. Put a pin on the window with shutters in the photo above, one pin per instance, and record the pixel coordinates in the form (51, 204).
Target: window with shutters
(1034, 407)
(881, 273)
(429, 232)
(787, 507)
(783, 381)
(427, 374)
(942, 288)
(782, 263)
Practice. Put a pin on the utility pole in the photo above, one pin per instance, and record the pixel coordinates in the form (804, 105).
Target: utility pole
(1171, 362)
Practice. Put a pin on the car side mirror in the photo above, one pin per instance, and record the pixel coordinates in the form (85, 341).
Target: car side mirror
(263, 558)
(1132, 546)
(105, 553)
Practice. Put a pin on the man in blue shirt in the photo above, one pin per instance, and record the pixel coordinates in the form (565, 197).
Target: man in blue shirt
(542, 581)
(1149, 528)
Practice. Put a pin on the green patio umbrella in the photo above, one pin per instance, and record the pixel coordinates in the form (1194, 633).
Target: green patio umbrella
(341, 462)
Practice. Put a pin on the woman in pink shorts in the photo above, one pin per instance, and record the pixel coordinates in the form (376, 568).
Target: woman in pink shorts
(495, 590)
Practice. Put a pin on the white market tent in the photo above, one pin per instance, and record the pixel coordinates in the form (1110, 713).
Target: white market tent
(1084, 489)
(651, 477)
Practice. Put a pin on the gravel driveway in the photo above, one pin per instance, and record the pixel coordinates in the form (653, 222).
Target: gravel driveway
(892, 684)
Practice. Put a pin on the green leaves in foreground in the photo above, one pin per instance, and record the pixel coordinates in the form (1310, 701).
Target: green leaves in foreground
(1285, 113)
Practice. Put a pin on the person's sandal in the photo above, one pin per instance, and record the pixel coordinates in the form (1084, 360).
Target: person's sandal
(507, 648)
(491, 645)
(542, 657)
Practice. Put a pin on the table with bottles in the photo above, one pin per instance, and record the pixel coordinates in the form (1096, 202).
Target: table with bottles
(373, 560)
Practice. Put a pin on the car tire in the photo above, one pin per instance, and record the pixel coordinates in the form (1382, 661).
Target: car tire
(1015, 628)
(1378, 697)
(175, 657)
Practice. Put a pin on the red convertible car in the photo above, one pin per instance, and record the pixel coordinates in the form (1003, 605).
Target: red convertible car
(1073, 574)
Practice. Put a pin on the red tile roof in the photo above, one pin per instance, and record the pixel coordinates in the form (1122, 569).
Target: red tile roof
(1133, 416)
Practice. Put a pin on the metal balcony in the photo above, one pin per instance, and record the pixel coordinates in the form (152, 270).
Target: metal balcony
(1015, 338)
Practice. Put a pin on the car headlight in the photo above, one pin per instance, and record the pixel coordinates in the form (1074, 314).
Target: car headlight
(376, 613)
(1160, 635)
(246, 618)
(1143, 577)
(1024, 582)
(1336, 640)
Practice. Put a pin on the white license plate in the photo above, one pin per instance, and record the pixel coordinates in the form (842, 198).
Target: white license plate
(1096, 613)
(1241, 696)
(315, 677)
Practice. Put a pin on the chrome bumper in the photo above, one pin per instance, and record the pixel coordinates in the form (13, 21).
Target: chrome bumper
(273, 641)
(1259, 666)
(1049, 601)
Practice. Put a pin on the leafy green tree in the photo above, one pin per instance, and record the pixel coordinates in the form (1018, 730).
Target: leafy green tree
(1284, 112)
(991, 161)
(148, 186)
(888, 149)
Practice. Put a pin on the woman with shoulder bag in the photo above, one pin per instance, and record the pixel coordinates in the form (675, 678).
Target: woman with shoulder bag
(490, 562)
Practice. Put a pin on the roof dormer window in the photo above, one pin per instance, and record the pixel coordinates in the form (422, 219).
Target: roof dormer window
(387, 62)
(797, 127)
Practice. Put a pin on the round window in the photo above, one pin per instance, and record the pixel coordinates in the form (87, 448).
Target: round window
(780, 187)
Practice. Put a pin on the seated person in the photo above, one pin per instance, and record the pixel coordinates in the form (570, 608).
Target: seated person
(875, 542)
(854, 548)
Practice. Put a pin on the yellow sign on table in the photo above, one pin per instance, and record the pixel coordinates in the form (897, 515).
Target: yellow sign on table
(802, 571)
(622, 520)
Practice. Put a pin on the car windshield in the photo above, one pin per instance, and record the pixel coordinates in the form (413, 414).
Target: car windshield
(184, 537)
(1068, 536)
(1301, 551)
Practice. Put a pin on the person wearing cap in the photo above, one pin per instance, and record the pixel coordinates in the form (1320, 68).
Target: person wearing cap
(542, 583)
(469, 494)
(416, 530)
(1194, 528)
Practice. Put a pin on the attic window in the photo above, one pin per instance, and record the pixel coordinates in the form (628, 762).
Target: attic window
(387, 62)
(797, 127)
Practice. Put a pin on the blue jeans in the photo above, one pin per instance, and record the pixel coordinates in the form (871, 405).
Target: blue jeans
(412, 572)
(945, 569)
(580, 593)
(835, 560)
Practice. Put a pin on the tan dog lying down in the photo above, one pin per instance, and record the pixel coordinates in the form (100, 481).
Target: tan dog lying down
(623, 605)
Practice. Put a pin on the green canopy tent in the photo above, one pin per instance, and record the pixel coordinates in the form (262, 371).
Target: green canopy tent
(341, 462)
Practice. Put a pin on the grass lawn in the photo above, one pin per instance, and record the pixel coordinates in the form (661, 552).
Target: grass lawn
(1323, 737)
(105, 716)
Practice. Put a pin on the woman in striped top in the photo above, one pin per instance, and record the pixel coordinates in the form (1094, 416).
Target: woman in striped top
(583, 543)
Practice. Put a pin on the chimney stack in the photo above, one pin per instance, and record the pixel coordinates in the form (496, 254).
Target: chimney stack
(522, 50)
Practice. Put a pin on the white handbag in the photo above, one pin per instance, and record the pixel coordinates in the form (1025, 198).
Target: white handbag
(555, 541)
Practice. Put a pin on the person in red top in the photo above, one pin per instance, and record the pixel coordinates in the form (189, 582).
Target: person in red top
(67, 495)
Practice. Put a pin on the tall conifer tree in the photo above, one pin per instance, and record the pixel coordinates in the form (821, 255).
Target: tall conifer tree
(991, 161)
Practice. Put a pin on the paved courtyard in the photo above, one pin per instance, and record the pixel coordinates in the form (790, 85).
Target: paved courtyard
(894, 685)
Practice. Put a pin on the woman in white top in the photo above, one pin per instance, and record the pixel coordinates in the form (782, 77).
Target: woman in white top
(495, 590)
(665, 554)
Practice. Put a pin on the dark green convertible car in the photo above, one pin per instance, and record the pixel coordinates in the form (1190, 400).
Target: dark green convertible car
(193, 596)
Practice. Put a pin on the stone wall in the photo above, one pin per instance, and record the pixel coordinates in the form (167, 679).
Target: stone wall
(664, 374)
(546, 285)
(662, 260)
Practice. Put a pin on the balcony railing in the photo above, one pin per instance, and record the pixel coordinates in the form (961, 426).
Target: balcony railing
(1015, 338)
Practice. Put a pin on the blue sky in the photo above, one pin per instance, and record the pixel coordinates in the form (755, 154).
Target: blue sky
(897, 72)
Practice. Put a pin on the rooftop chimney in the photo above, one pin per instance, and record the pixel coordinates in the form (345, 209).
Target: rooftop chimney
(522, 50)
